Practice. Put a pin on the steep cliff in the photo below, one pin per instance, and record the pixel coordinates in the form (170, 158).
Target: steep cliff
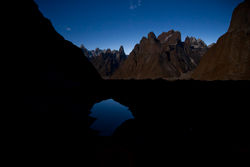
(229, 58)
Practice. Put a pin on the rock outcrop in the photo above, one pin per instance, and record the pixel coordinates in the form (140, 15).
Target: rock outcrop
(106, 62)
(229, 58)
(163, 57)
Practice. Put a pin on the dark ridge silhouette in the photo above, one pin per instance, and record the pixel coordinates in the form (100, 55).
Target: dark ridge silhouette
(229, 58)
(48, 58)
(49, 91)
(49, 73)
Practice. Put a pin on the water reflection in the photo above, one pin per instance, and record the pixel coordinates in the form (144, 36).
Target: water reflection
(109, 115)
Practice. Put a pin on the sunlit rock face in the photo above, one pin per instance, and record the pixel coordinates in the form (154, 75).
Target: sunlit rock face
(229, 58)
(164, 56)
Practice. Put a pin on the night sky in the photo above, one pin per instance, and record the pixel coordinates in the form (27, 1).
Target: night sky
(111, 23)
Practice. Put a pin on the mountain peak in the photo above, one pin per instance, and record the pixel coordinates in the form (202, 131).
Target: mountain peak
(151, 35)
(108, 51)
(106, 61)
(97, 50)
(195, 43)
(241, 18)
(121, 50)
(170, 37)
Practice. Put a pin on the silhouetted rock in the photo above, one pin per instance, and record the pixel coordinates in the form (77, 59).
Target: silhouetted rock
(105, 61)
(48, 60)
(162, 57)
(229, 58)
(50, 89)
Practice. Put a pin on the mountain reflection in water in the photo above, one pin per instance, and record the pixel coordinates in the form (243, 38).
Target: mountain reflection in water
(109, 115)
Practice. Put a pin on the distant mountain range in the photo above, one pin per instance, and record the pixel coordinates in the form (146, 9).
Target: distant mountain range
(105, 61)
(166, 56)
(163, 57)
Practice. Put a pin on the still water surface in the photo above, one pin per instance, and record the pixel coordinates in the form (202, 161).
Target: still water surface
(109, 115)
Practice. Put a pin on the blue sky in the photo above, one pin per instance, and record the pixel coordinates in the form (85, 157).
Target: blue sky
(111, 23)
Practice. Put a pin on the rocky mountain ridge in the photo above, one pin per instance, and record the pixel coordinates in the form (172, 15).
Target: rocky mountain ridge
(165, 56)
(105, 61)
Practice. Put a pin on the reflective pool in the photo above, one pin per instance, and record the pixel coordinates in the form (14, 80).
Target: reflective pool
(109, 115)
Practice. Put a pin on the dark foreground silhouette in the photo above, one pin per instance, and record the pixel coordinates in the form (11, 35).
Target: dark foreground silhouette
(173, 120)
